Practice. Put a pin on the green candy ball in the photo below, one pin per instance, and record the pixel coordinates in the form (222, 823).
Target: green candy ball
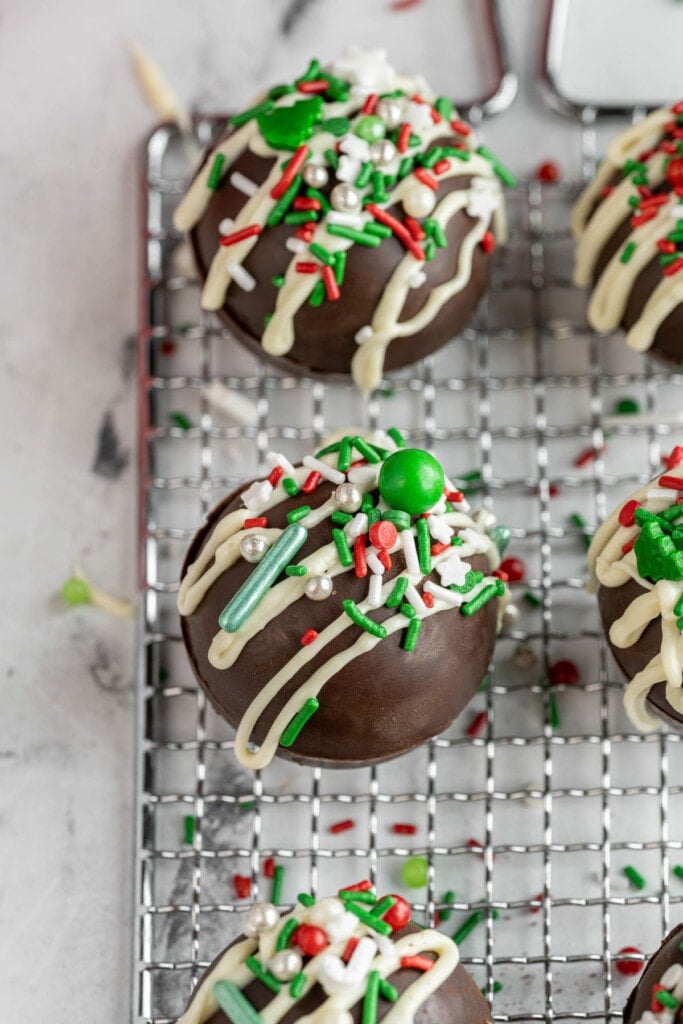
(76, 591)
(411, 480)
(371, 128)
(414, 872)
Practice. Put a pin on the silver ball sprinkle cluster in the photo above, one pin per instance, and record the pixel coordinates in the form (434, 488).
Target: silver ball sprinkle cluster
(261, 917)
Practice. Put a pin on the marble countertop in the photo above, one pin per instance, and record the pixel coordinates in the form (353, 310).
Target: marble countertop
(74, 121)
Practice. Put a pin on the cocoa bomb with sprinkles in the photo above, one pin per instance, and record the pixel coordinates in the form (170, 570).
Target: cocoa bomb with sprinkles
(343, 611)
(659, 993)
(629, 228)
(636, 563)
(345, 223)
(339, 960)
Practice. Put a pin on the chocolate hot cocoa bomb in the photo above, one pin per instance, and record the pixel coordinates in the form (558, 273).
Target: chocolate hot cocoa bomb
(636, 560)
(345, 224)
(660, 985)
(396, 971)
(629, 239)
(329, 619)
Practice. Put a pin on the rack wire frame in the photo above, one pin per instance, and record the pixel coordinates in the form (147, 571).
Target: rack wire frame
(554, 944)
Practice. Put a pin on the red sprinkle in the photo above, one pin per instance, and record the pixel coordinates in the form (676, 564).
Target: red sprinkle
(455, 496)
(627, 515)
(673, 268)
(642, 218)
(275, 475)
(674, 457)
(359, 557)
(500, 575)
(677, 108)
(564, 672)
(488, 241)
(261, 521)
(402, 828)
(627, 967)
(370, 104)
(306, 267)
(306, 231)
(239, 236)
(606, 191)
(399, 229)
(269, 867)
(290, 172)
(675, 482)
(306, 203)
(428, 598)
(363, 886)
(383, 534)
(416, 230)
(548, 172)
(419, 963)
(514, 568)
(666, 247)
(588, 455)
(349, 948)
(628, 546)
(477, 724)
(342, 826)
(311, 482)
(442, 165)
(385, 558)
(474, 844)
(403, 137)
(655, 1005)
(674, 172)
(657, 200)
(310, 939)
(398, 916)
(439, 548)
(314, 85)
(167, 347)
(423, 175)
(308, 637)
(461, 127)
(331, 286)
(242, 886)
(535, 910)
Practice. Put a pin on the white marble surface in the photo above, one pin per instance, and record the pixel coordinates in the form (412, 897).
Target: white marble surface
(73, 121)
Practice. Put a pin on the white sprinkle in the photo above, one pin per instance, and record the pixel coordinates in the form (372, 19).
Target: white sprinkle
(476, 539)
(439, 508)
(484, 198)
(410, 552)
(374, 564)
(676, 212)
(356, 526)
(453, 570)
(375, 590)
(419, 116)
(328, 472)
(226, 226)
(235, 406)
(364, 334)
(672, 975)
(439, 529)
(278, 459)
(241, 276)
(243, 184)
(348, 169)
(364, 477)
(341, 927)
(385, 945)
(381, 438)
(356, 148)
(414, 599)
(665, 493)
(256, 496)
(418, 279)
(349, 220)
(295, 244)
(451, 597)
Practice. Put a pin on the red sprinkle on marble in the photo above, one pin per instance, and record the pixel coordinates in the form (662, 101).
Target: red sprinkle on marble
(260, 521)
(242, 886)
(269, 867)
(627, 967)
(514, 568)
(402, 828)
(342, 826)
(588, 455)
(548, 172)
(535, 910)
(564, 673)
(477, 724)
(308, 637)
(628, 513)
(167, 347)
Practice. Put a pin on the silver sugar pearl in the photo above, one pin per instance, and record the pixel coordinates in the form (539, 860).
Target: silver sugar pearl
(318, 588)
(510, 616)
(253, 547)
(315, 175)
(345, 198)
(525, 655)
(382, 152)
(391, 112)
(286, 964)
(261, 917)
(348, 497)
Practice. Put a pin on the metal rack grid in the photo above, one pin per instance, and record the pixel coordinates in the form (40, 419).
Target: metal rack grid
(558, 811)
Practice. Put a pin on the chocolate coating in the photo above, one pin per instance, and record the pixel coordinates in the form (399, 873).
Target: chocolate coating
(380, 704)
(613, 602)
(457, 1001)
(325, 335)
(668, 953)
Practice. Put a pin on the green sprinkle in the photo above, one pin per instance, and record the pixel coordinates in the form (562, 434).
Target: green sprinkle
(444, 107)
(237, 120)
(496, 987)
(678, 871)
(397, 437)
(298, 513)
(340, 266)
(235, 1004)
(294, 728)
(265, 977)
(75, 591)
(406, 165)
(317, 296)
(284, 202)
(634, 877)
(628, 252)
(279, 872)
(332, 158)
(285, 934)
(323, 254)
(459, 154)
(362, 620)
(506, 176)
(372, 922)
(278, 91)
(490, 591)
(533, 599)
(370, 1000)
(366, 450)
(432, 157)
(179, 419)
(296, 570)
(341, 518)
(423, 546)
(372, 241)
(216, 172)
(188, 829)
(471, 579)
(336, 126)
(429, 248)
(576, 519)
(374, 515)
(367, 503)
(290, 486)
(554, 710)
(345, 454)
(364, 174)
(627, 406)
(666, 999)
(312, 71)
(415, 140)
(381, 230)
(301, 216)
(390, 180)
(330, 450)
(342, 546)
(397, 594)
(440, 236)
(414, 872)
(407, 610)
(359, 897)
(380, 908)
(338, 89)
(470, 924)
(247, 805)
(388, 991)
(305, 899)
(412, 634)
(298, 983)
(448, 897)
(314, 193)
(278, 280)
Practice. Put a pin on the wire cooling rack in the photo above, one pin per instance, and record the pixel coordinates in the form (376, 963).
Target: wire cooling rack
(532, 820)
